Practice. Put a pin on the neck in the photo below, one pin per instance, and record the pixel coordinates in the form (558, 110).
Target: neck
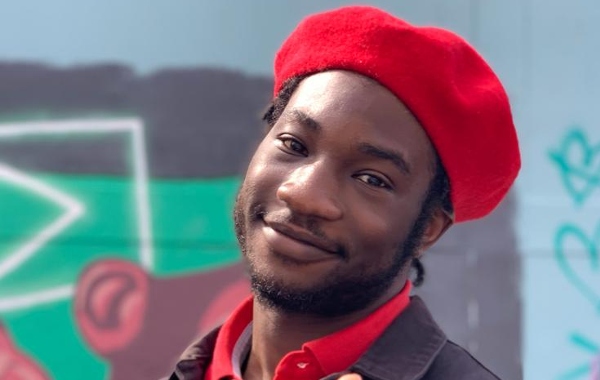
(276, 333)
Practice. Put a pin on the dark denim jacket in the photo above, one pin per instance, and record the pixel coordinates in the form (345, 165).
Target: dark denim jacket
(413, 347)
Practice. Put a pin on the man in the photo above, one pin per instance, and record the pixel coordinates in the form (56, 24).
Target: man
(381, 136)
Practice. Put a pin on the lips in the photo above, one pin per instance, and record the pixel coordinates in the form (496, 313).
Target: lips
(298, 243)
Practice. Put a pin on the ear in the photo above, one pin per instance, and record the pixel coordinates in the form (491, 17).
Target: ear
(110, 303)
(438, 224)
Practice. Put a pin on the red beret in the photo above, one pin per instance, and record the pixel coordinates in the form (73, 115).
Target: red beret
(445, 83)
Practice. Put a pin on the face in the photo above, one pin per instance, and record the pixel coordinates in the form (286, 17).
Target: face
(329, 203)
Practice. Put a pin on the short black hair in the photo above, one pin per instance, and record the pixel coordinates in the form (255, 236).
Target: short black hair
(437, 195)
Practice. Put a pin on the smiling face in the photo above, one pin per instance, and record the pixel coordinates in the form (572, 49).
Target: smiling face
(326, 214)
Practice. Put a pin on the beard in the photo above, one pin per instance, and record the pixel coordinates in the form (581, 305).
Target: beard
(336, 295)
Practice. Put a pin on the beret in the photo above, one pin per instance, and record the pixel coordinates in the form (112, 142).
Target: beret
(444, 82)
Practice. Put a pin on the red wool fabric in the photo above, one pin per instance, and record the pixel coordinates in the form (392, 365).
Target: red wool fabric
(445, 83)
(318, 358)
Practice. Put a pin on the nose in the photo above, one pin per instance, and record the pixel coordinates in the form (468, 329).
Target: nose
(311, 191)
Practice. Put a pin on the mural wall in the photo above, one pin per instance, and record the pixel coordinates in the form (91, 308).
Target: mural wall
(123, 137)
(558, 192)
(119, 190)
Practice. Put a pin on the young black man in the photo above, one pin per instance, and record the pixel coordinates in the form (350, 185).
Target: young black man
(381, 136)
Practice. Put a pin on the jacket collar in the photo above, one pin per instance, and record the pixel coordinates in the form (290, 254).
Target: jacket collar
(406, 349)
(195, 359)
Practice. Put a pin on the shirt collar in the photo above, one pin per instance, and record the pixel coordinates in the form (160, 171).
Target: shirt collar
(338, 351)
(334, 352)
(233, 342)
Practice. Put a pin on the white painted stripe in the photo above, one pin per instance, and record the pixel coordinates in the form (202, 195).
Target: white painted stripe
(142, 197)
(69, 126)
(73, 210)
(27, 301)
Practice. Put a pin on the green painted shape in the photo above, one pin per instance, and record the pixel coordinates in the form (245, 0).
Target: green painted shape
(107, 228)
(192, 229)
(49, 335)
(22, 213)
(193, 224)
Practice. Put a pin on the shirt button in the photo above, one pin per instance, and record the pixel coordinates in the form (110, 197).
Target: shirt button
(302, 365)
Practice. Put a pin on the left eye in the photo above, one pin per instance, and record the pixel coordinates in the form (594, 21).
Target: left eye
(373, 180)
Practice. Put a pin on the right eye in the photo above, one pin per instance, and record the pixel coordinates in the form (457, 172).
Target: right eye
(373, 180)
(292, 145)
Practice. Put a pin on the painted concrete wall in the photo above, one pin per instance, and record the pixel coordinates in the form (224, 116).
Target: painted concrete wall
(115, 190)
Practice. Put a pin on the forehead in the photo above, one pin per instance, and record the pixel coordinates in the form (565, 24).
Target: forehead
(362, 110)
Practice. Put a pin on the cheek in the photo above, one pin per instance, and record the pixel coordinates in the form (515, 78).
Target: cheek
(253, 185)
(378, 234)
(265, 173)
(258, 166)
(257, 173)
(382, 229)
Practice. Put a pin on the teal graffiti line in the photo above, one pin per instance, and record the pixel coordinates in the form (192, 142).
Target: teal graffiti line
(578, 373)
(578, 276)
(579, 165)
(584, 370)
(585, 343)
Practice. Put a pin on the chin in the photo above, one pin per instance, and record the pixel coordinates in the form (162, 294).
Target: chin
(325, 298)
(293, 275)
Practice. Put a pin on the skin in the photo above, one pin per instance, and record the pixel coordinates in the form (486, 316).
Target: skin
(351, 376)
(317, 207)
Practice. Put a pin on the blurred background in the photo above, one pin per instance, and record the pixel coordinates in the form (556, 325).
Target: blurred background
(125, 127)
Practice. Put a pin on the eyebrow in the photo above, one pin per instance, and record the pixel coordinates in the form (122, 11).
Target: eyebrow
(300, 117)
(395, 157)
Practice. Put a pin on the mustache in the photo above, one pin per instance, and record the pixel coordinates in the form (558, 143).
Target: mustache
(311, 225)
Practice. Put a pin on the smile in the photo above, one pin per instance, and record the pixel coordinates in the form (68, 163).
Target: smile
(298, 245)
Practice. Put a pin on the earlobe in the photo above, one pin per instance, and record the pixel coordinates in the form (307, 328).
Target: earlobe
(438, 224)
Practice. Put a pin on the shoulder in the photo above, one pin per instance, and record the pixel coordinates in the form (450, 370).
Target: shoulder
(454, 362)
(414, 347)
(195, 359)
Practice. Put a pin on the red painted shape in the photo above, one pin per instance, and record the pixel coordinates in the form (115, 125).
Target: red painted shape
(223, 304)
(110, 304)
(15, 364)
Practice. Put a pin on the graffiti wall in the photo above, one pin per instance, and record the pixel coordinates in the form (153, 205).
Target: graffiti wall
(117, 201)
(123, 137)
(559, 193)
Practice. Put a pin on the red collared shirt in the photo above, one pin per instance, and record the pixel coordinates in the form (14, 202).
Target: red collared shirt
(317, 358)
